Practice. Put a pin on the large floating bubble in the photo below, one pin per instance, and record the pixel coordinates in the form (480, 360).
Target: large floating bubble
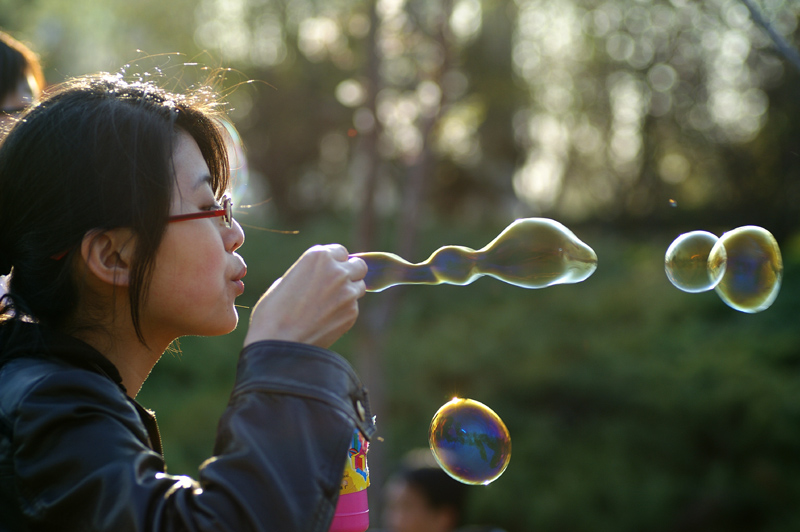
(470, 442)
(686, 262)
(530, 253)
(751, 268)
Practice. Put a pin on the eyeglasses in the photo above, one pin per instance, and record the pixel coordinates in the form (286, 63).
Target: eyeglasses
(226, 213)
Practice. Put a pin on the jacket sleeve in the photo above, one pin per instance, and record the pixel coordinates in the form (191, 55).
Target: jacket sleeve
(82, 460)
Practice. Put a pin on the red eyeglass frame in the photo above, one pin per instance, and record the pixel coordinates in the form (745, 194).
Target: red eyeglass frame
(226, 213)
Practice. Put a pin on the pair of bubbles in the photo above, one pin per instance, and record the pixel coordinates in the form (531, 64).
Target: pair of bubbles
(744, 266)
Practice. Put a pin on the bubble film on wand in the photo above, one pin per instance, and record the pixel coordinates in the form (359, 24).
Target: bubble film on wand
(529, 253)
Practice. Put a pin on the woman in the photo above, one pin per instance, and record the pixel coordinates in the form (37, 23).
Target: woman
(114, 222)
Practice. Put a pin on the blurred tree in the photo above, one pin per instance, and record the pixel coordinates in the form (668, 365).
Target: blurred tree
(89, 35)
(634, 103)
(577, 109)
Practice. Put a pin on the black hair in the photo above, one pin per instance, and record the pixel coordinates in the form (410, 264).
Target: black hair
(94, 154)
(17, 61)
(437, 487)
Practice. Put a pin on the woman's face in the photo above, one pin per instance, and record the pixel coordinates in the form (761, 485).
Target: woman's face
(197, 274)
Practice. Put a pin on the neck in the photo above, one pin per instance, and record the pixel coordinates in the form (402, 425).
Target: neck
(132, 358)
(104, 319)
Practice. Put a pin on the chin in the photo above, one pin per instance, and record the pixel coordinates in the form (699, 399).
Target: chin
(223, 325)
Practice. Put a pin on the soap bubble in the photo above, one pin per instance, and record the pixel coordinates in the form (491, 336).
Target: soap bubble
(752, 269)
(686, 262)
(470, 442)
(529, 253)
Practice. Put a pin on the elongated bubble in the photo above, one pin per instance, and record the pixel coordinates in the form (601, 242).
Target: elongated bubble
(686, 262)
(469, 441)
(752, 268)
(530, 253)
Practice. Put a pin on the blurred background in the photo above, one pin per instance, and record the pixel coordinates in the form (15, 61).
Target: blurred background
(406, 125)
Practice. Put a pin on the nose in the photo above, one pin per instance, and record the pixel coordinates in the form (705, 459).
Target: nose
(234, 237)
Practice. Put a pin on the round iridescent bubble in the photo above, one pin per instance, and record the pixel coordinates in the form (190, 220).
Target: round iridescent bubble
(686, 262)
(469, 441)
(752, 268)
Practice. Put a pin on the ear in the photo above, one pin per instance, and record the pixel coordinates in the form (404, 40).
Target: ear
(108, 255)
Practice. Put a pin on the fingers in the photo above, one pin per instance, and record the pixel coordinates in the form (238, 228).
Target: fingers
(356, 266)
(315, 302)
(337, 251)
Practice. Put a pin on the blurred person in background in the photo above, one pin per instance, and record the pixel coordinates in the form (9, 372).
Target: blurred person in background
(21, 83)
(421, 497)
(21, 79)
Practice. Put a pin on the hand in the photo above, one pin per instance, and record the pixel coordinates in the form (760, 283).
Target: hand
(315, 302)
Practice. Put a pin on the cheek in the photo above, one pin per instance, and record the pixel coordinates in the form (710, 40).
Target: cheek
(198, 266)
(191, 265)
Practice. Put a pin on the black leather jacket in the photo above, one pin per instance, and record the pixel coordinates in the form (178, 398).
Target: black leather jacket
(77, 454)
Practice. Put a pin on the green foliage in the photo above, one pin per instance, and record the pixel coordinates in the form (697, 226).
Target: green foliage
(632, 406)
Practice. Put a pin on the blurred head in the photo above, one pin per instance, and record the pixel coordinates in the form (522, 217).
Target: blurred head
(96, 154)
(421, 497)
(21, 78)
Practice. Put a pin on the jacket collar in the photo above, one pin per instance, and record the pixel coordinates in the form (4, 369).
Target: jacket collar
(31, 339)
